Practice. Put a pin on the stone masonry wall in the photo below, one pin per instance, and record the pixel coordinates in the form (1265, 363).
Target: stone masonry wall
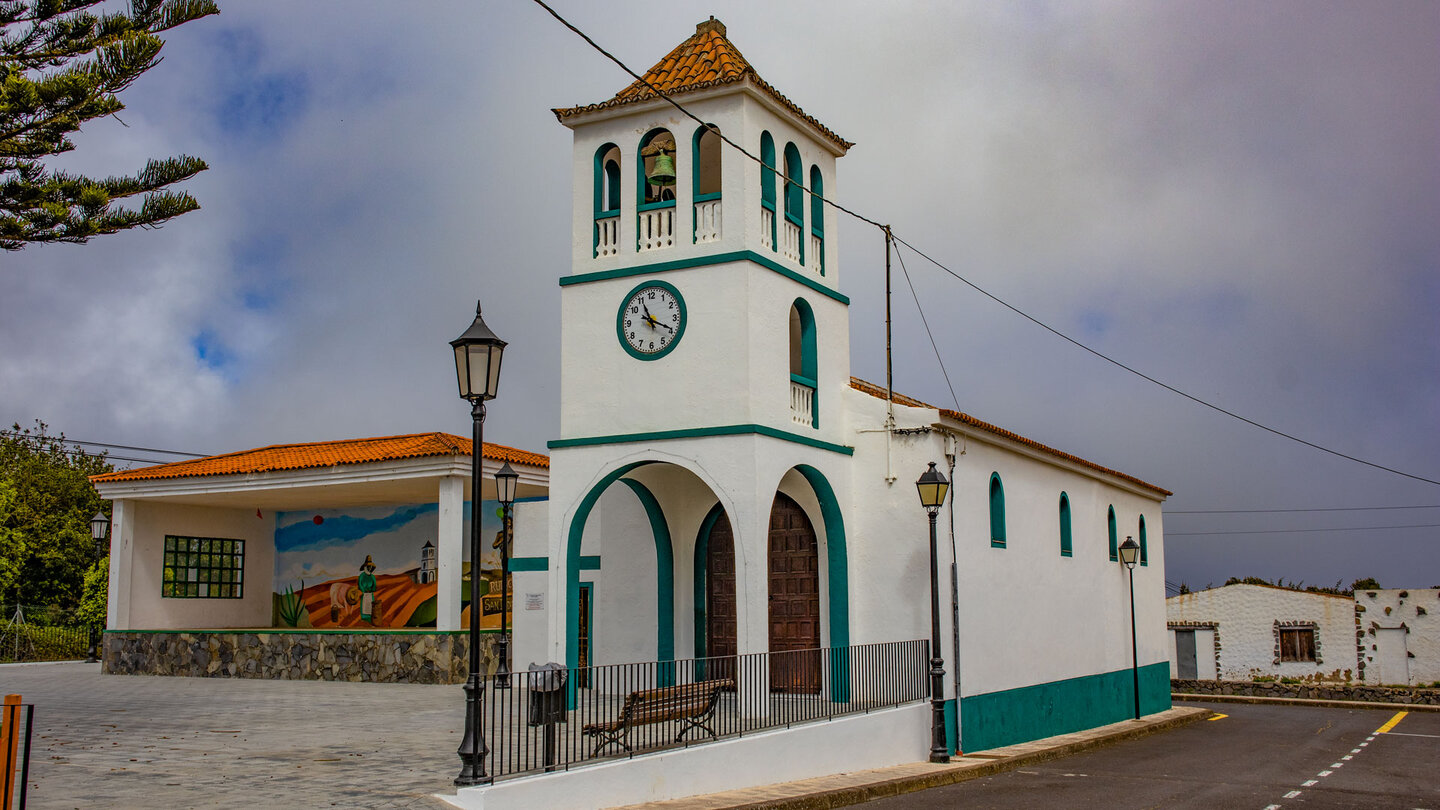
(1376, 694)
(431, 658)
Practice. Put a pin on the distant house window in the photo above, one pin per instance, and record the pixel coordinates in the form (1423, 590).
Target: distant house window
(997, 511)
(1297, 644)
(203, 568)
(1065, 547)
(1114, 545)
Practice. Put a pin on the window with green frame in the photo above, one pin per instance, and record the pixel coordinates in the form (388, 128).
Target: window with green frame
(1114, 545)
(203, 568)
(1144, 546)
(997, 511)
(1065, 547)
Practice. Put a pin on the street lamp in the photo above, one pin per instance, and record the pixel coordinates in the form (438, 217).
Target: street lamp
(99, 525)
(1129, 555)
(933, 487)
(477, 367)
(505, 480)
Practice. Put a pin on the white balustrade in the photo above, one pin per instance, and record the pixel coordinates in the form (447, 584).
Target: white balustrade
(802, 404)
(767, 225)
(607, 236)
(657, 229)
(790, 241)
(817, 248)
(707, 222)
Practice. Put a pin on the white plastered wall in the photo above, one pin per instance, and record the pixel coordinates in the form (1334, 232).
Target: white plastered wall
(1416, 612)
(142, 536)
(1245, 617)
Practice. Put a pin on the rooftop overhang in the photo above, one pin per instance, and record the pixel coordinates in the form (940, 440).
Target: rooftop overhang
(334, 487)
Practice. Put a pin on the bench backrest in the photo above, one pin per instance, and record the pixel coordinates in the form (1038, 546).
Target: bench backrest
(673, 702)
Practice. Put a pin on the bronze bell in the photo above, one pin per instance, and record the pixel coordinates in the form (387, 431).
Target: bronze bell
(663, 171)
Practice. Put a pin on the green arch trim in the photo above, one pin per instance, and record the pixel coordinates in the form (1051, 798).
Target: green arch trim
(572, 565)
(1066, 549)
(664, 581)
(997, 511)
(702, 555)
(837, 562)
(1144, 546)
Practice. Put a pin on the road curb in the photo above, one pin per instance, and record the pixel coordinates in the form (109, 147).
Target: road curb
(1325, 704)
(963, 770)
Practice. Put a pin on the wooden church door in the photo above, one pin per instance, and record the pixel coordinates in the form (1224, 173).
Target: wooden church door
(720, 641)
(794, 576)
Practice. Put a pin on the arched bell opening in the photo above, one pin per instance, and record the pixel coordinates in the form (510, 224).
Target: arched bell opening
(655, 169)
(705, 186)
(607, 201)
(804, 404)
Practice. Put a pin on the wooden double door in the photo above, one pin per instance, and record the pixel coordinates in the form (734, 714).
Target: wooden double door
(793, 565)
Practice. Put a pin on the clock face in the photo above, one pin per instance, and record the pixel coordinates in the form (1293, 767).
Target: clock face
(651, 320)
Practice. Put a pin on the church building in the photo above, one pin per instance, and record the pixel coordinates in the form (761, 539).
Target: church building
(721, 485)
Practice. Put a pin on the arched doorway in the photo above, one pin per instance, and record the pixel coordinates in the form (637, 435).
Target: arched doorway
(720, 641)
(794, 578)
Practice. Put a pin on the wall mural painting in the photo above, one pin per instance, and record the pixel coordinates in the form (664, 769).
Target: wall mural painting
(375, 567)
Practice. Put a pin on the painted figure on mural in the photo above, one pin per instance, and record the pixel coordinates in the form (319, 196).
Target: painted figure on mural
(367, 590)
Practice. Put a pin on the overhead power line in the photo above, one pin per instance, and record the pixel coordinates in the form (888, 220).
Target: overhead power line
(62, 440)
(1273, 511)
(827, 201)
(1307, 531)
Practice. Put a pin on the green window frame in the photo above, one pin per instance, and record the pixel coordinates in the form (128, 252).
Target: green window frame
(997, 511)
(1066, 549)
(1144, 546)
(203, 568)
(1114, 542)
(767, 183)
(808, 372)
(794, 194)
(817, 214)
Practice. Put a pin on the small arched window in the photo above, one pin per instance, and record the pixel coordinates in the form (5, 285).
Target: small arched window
(606, 240)
(795, 198)
(767, 190)
(1114, 542)
(1144, 546)
(705, 179)
(817, 219)
(997, 511)
(804, 402)
(1066, 549)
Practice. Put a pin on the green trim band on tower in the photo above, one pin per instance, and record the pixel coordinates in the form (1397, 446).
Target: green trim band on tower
(693, 433)
(704, 261)
(664, 582)
(1011, 716)
(529, 564)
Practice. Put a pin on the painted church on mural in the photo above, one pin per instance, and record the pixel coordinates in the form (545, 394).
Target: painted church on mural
(719, 484)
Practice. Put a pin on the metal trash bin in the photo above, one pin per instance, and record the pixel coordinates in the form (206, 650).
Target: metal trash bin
(547, 693)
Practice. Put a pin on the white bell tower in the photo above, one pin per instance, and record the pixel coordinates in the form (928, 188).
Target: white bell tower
(703, 293)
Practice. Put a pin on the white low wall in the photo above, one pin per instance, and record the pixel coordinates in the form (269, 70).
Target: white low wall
(860, 742)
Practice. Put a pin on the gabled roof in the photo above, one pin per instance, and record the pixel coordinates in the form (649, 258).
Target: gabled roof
(279, 457)
(970, 421)
(701, 62)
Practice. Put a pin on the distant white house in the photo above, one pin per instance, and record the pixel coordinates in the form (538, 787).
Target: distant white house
(1242, 631)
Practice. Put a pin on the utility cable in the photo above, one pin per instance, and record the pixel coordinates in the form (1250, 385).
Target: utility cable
(1147, 377)
(906, 272)
(660, 94)
(63, 440)
(1307, 531)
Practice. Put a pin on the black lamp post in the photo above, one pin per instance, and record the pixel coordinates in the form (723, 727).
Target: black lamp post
(99, 525)
(1129, 555)
(505, 480)
(933, 487)
(477, 366)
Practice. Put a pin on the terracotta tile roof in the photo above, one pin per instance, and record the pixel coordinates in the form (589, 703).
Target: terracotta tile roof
(281, 457)
(705, 60)
(970, 421)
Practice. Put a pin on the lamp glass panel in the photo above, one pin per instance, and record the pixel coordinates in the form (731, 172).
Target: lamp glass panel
(1129, 550)
(461, 372)
(493, 369)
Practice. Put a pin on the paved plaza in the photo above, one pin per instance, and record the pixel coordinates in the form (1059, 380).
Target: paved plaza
(132, 741)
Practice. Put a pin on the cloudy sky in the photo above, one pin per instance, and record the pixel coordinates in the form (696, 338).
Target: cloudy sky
(1240, 200)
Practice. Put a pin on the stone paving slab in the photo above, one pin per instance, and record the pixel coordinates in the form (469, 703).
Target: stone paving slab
(135, 741)
(863, 786)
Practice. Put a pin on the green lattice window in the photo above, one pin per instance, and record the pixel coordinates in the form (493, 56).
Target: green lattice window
(203, 568)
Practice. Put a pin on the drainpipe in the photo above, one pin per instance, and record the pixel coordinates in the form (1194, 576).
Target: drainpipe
(950, 456)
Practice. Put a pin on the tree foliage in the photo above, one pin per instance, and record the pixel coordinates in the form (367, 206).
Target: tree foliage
(46, 502)
(61, 65)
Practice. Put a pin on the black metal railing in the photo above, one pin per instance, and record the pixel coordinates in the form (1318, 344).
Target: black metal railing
(545, 722)
(41, 634)
(16, 721)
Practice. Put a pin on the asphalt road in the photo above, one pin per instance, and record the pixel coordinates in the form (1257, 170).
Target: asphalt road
(1256, 757)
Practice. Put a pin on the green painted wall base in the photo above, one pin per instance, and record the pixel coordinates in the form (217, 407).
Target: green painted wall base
(1029, 713)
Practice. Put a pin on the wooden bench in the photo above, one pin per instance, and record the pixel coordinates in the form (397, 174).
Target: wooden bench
(693, 704)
